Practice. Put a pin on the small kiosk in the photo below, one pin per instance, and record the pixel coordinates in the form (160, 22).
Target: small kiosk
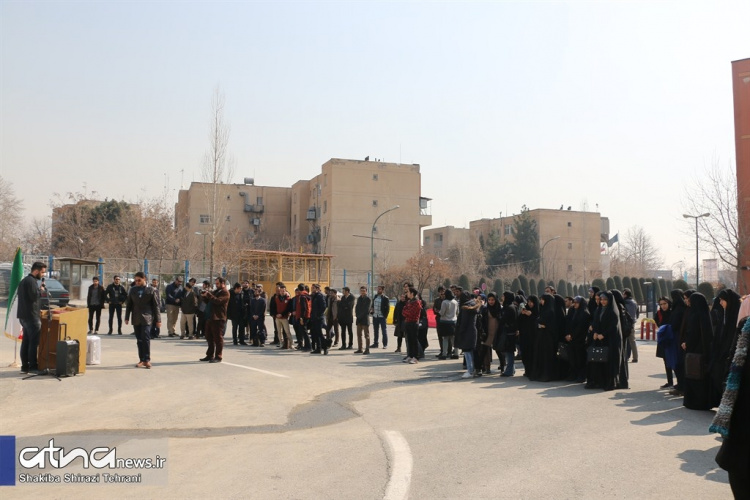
(77, 275)
(268, 267)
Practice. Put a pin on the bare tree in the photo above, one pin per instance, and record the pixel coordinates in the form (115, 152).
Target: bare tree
(467, 258)
(636, 255)
(73, 233)
(423, 269)
(715, 193)
(38, 237)
(11, 209)
(217, 169)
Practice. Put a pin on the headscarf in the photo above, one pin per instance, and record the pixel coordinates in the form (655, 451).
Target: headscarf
(508, 298)
(494, 309)
(732, 311)
(533, 299)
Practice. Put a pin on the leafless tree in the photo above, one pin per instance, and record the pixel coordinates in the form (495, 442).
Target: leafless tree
(636, 254)
(715, 193)
(38, 237)
(467, 258)
(11, 209)
(217, 169)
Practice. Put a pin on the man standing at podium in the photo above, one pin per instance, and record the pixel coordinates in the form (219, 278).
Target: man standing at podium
(29, 315)
(142, 304)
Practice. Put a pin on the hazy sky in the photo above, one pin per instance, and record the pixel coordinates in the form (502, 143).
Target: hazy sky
(615, 104)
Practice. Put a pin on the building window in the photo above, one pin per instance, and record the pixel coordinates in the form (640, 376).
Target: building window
(374, 203)
(439, 237)
(426, 240)
(570, 246)
(259, 201)
(374, 177)
(570, 267)
(325, 206)
(508, 230)
(205, 219)
(229, 218)
(570, 224)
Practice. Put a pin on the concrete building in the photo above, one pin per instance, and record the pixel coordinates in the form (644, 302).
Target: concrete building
(439, 240)
(257, 214)
(741, 90)
(332, 213)
(571, 241)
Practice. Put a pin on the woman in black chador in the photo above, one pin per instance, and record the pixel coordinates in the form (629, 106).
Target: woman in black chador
(578, 331)
(606, 333)
(725, 333)
(622, 380)
(698, 336)
(527, 325)
(545, 347)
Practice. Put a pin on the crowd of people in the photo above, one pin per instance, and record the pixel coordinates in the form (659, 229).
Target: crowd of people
(581, 340)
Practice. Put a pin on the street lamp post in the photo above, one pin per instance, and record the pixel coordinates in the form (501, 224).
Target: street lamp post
(204, 252)
(372, 247)
(542, 252)
(696, 217)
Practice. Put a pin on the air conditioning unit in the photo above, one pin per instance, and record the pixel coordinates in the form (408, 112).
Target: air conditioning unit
(243, 194)
(256, 222)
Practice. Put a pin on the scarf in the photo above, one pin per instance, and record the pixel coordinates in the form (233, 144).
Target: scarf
(723, 416)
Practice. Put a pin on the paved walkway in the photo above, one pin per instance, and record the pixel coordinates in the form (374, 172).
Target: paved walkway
(277, 424)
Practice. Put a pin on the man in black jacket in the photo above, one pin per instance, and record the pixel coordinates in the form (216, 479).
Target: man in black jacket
(29, 299)
(116, 296)
(346, 317)
(317, 319)
(143, 305)
(95, 304)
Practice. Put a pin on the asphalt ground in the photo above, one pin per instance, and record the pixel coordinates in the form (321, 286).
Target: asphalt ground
(268, 423)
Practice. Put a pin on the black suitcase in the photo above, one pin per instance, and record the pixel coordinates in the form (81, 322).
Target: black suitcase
(67, 357)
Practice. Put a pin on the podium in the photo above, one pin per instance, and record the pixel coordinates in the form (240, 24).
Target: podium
(74, 324)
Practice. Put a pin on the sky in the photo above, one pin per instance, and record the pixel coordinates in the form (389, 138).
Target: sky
(611, 105)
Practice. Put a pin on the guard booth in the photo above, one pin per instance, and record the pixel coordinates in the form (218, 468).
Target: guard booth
(77, 275)
(268, 268)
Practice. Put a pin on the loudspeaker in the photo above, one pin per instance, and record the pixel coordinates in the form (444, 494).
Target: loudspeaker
(68, 352)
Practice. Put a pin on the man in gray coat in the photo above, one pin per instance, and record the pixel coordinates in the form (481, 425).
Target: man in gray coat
(143, 305)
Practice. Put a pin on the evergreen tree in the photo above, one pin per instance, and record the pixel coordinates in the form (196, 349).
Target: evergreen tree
(618, 283)
(681, 284)
(569, 288)
(664, 288)
(598, 282)
(524, 284)
(627, 283)
(463, 282)
(562, 287)
(611, 284)
(638, 290)
(532, 287)
(525, 246)
(515, 286)
(497, 287)
(707, 289)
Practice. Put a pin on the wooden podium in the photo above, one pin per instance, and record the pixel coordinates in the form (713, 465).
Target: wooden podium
(72, 319)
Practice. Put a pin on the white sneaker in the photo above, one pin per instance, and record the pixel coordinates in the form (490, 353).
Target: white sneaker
(413, 361)
(467, 375)
(406, 360)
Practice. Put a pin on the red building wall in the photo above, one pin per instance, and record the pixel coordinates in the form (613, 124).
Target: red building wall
(741, 90)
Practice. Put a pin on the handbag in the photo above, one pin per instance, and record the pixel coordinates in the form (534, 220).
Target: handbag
(694, 369)
(563, 351)
(597, 354)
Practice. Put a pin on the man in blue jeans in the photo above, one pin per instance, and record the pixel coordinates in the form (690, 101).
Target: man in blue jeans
(381, 306)
(29, 315)
(144, 307)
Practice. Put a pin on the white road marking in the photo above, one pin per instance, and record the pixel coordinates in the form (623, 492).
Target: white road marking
(255, 369)
(400, 480)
